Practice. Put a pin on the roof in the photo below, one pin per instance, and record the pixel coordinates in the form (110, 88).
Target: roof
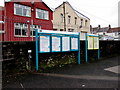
(104, 29)
(116, 29)
(96, 29)
(77, 12)
(29, 1)
(80, 14)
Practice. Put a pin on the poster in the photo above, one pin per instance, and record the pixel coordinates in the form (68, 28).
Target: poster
(55, 44)
(96, 43)
(74, 43)
(90, 43)
(65, 43)
(44, 44)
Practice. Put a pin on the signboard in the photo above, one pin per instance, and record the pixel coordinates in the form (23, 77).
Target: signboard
(74, 43)
(53, 41)
(96, 43)
(55, 44)
(90, 43)
(44, 44)
(65, 43)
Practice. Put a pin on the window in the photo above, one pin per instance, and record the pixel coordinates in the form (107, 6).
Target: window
(116, 33)
(62, 17)
(83, 35)
(54, 29)
(22, 10)
(32, 29)
(21, 29)
(70, 30)
(61, 29)
(69, 19)
(85, 22)
(81, 23)
(42, 14)
(75, 20)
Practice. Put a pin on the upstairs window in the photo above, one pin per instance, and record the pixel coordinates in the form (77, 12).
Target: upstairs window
(75, 20)
(21, 29)
(42, 14)
(86, 23)
(22, 10)
(81, 23)
(62, 17)
(69, 17)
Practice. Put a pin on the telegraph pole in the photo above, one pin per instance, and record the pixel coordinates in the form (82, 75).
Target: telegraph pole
(64, 16)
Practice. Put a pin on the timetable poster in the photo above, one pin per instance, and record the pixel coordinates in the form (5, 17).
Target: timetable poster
(74, 43)
(56, 44)
(96, 43)
(90, 43)
(44, 44)
(65, 43)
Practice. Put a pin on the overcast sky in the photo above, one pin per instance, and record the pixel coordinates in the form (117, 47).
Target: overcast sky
(103, 12)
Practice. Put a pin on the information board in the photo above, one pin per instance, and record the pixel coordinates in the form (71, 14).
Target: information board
(48, 41)
(44, 44)
(74, 43)
(55, 44)
(90, 43)
(65, 43)
(96, 43)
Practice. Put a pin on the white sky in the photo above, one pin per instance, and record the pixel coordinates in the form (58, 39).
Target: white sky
(103, 12)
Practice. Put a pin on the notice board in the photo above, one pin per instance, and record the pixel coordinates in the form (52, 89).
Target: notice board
(74, 43)
(44, 44)
(56, 44)
(90, 43)
(96, 43)
(65, 43)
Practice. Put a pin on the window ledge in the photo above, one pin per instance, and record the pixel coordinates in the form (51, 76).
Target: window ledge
(32, 36)
(20, 36)
(22, 16)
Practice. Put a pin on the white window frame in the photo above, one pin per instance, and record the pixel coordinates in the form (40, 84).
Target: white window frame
(21, 29)
(32, 28)
(22, 7)
(44, 14)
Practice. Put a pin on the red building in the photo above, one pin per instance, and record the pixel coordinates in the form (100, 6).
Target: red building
(22, 17)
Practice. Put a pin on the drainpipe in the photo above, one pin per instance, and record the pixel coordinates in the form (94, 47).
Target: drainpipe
(64, 16)
(32, 10)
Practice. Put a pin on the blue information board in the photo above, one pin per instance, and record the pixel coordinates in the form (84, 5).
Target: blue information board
(56, 41)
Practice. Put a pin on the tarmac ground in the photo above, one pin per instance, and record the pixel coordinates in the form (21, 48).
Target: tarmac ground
(103, 75)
